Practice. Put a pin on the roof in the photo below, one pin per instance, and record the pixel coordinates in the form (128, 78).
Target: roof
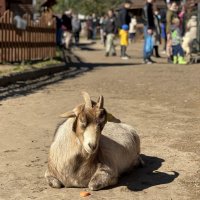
(20, 7)
(20, 2)
(138, 4)
(48, 3)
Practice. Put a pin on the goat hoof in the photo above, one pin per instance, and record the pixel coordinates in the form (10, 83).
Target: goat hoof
(94, 187)
(54, 183)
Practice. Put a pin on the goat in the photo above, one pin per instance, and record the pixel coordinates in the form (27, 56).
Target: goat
(90, 150)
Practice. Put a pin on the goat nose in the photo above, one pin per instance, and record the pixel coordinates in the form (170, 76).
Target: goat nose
(92, 146)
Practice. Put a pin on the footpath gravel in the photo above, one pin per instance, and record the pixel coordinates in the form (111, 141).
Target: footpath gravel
(161, 101)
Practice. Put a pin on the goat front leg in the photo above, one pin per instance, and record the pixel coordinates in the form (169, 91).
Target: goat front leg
(103, 177)
(52, 181)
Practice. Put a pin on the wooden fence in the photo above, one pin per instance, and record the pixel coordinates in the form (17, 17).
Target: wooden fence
(36, 42)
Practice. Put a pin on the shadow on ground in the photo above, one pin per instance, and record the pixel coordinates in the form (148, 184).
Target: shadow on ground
(23, 88)
(74, 67)
(148, 176)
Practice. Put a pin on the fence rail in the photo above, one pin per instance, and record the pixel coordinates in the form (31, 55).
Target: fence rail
(36, 42)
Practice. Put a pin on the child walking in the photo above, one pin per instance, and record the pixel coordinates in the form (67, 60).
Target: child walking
(148, 46)
(124, 41)
(177, 50)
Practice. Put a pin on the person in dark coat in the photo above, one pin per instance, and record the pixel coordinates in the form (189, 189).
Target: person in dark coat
(157, 33)
(123, 19)
(163, 21)
(76, 29)
(95, 25)
(123, 15)
(148, 19)
(110, 29)
(58, 30)
(67, 28)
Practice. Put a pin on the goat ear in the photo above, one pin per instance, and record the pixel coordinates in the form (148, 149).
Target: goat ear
(100, 102)
(74, 113)
(88, 102)
(111, 118)
(69, 114)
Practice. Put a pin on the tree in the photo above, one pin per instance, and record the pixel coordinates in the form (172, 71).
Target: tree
(86, 7)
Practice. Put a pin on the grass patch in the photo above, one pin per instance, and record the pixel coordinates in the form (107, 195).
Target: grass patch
(22, 67)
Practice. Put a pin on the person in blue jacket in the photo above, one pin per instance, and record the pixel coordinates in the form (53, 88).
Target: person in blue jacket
(148, 46)
(148, 19)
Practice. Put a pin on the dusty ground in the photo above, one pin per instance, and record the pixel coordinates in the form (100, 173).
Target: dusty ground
(161, 101)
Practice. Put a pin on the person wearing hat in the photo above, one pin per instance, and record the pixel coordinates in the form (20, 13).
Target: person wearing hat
(123, 33)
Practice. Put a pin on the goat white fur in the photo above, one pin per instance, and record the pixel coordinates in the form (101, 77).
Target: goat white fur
(72, 164)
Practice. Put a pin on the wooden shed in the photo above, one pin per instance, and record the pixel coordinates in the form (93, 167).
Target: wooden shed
(18, 7)
(138, 5)
(48, 3)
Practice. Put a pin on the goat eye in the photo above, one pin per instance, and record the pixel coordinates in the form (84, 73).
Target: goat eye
(83, 125)
(102, 115)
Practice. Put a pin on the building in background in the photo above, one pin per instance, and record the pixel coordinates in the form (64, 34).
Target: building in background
(21, 7)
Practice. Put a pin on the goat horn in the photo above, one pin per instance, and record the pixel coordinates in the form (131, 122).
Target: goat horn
(100, 102)
(88, 102)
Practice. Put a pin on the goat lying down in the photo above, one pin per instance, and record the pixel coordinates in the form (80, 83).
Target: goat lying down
(90, 150)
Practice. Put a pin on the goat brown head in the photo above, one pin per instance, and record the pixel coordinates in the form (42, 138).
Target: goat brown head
(90, 119)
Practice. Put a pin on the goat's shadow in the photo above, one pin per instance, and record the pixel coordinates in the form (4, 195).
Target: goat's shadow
(147, 176)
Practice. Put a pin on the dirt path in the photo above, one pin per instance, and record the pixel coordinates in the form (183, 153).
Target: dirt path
(161, 101)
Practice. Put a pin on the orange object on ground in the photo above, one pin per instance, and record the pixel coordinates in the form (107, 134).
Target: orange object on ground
(84, 194)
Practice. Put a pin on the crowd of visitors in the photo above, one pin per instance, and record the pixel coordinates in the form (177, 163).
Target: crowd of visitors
(175, 28)
(172, 25)
(68, 28)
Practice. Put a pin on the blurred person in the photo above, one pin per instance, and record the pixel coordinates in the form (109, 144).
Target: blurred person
(59, 31)
(123, 15)
(76, 29)
(148, 46)
(177, 50)
(157, 33)
(67, 28)
(110, 29)
(102, 27)
(163, 13)
(192, 9)
(95, 25)
(148, 18)
(172, 13)
(132, 29)
(89, 27)
(123, 18)
(182, 17)
(124, 41)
